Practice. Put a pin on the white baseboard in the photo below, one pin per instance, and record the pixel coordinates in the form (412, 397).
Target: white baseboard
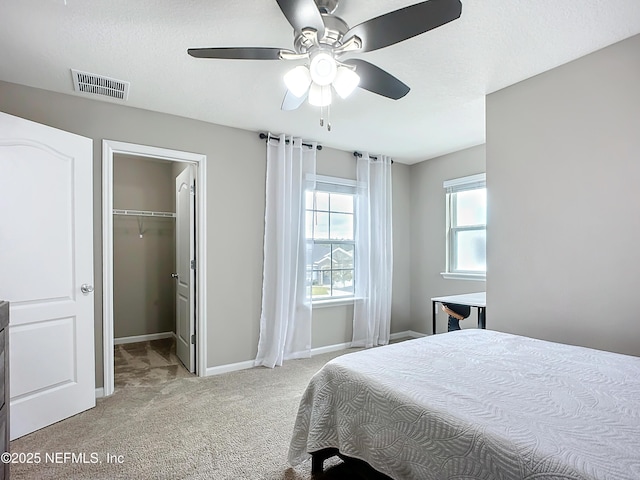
(406, 334)
(231, 367)
(330, 348)
(234, 367)
(143, 338)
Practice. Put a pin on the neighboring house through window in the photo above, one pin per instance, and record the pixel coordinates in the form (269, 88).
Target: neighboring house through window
(466, 200)
(330, 233)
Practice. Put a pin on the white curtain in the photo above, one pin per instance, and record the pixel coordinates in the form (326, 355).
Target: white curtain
(285, 321)
(374, 252)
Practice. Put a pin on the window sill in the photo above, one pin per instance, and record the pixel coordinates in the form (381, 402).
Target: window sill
(480, 277)
(336, 302)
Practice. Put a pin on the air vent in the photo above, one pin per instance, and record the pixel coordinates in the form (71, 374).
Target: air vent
(99, 85)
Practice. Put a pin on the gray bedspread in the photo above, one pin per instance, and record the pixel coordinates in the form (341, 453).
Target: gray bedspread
(477, 404)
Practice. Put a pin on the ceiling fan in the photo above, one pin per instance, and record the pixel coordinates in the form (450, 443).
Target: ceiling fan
(322, 39)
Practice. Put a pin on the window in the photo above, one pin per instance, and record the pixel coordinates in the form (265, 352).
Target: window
(330, 233)
(466, 227)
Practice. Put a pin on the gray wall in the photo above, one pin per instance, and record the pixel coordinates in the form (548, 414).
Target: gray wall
(428, 230)
(235, 205)
(563, 172)
(143, 290)
(401, 318)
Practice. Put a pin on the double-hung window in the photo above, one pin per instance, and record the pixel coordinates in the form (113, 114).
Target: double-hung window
(331, 236)
(466, 200)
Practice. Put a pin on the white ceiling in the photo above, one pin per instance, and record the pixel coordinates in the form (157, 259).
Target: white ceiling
(495, 43)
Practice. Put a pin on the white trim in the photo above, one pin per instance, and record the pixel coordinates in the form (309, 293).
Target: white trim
(462, 183)
(330, 348)
(406, 334)
(99, 392)
(334, 302)
(416, 334)
(107, 269)
(234, 367)
(480, 277)
(230, 367)
(109, 148)
(143, 338)
(346, 182)
(324, 183)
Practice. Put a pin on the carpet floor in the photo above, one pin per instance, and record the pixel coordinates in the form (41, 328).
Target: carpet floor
(231, 426)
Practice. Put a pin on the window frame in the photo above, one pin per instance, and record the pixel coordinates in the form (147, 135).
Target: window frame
(328, 184)
(452, 187)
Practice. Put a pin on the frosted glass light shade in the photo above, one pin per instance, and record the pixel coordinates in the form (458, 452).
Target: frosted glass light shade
(298, 80)
(322, 69)
(345, 82)
(320, 95)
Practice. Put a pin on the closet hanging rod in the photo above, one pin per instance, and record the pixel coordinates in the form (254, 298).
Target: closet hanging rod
(144, 213)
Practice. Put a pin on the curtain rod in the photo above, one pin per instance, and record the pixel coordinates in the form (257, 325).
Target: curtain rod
(264, 136)
(359, 155)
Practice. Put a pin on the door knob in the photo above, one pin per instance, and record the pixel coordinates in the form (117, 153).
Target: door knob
(174, 275)
(86, 288)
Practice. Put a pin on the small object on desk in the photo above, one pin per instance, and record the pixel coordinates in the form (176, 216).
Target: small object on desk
(477, 300)
(456, 313)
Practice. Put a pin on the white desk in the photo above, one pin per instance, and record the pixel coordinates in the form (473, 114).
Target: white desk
(478, 300)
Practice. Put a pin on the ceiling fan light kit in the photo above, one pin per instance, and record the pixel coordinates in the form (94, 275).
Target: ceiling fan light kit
(321, 39)
(317, 79)
(298, 80)
(323, 68)
(319, 95)
(345, 82)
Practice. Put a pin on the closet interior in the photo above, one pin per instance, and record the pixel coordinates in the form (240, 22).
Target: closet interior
(144, 260)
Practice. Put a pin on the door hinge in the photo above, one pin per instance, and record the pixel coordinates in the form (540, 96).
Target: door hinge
(192, 189)
(193, 339)
(193, 264)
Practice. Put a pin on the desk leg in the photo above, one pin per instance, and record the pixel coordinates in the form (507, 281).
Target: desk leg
(433, 317)
(482, 317)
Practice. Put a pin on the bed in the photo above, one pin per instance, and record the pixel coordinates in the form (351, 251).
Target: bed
(476, 404)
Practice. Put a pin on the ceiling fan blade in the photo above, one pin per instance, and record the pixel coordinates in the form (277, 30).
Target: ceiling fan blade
(378, 81)
(291, 102)
(240, 53)
(402, 24)
(302, 14)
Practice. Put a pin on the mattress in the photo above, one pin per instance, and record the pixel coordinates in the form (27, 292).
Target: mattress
(477, 404)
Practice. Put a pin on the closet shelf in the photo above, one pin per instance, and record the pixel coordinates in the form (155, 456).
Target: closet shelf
(144, 213)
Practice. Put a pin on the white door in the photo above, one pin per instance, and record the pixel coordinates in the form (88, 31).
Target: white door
(46, 261)
(185, 267)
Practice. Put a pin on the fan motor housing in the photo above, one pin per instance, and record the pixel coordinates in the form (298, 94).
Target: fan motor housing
(334, 30)
(327, 6)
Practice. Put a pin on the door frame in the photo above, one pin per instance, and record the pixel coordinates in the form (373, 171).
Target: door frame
(109, 149)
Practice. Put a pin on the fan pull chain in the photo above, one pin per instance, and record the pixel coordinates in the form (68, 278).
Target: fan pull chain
(328, 117)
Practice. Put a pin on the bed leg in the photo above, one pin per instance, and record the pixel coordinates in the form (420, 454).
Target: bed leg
(317, 464)
(318, 458)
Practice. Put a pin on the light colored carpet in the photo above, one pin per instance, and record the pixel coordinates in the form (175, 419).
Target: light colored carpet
(231, 426)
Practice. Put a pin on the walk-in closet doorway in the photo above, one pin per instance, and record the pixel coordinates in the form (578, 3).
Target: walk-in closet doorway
(153, 229)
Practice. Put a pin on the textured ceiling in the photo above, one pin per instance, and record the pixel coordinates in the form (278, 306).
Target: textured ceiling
(495, 43)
